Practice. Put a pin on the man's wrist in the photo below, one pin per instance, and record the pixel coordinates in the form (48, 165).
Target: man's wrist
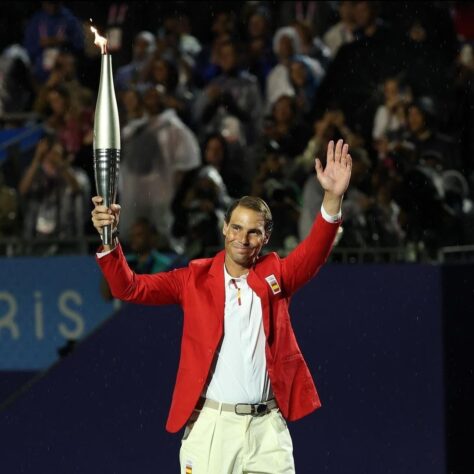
(331, 218)
(332, 203)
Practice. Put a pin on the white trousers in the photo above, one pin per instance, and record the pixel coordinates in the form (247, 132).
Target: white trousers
(221, 442)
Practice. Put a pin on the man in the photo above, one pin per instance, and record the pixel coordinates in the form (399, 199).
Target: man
(47, 32)
(172, 150)
(55, 193)
(233, 97)
(241, 373)
(130, 74)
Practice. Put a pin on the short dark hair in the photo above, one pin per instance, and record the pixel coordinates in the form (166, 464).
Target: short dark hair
(255, 204)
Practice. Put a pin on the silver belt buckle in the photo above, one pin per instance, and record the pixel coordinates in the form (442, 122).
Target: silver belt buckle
(258, 409)
(240, 413)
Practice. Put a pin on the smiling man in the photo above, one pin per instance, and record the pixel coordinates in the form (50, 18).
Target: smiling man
(241, 374)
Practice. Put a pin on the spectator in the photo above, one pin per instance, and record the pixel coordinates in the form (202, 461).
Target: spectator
(305, 79)
(50, 30)
(272, 185)
(422, 134)
(316, 14)
(55, 193)
(9, 209)
(130, 74)
(64, 75)
(286, 44)
(383, 226)
(342, 32)
(171, 149)
(231, 101)
(203, 215)
(359, 67)
(312, 46)
(207, 180)
(72, 125)
(259, 46)
(174, 38)
(235, 173)
(223, 29)
(16, 82)
(133, 109)
(456, 198)
(429, 47)
(390, 116)
(459, 121)
(164, 72)
(286, 128)
(430, 222)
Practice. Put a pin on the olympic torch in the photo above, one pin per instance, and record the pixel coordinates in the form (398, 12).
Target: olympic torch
(106, 134)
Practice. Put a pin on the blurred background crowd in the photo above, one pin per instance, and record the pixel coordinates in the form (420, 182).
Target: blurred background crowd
(223, 99)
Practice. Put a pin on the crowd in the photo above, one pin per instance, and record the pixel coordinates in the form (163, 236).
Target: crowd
(244, 108)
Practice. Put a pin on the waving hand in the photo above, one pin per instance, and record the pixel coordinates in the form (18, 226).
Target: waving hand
(334, 178)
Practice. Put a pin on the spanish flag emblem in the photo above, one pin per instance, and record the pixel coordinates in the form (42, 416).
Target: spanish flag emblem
(189, 468)
(273, 283)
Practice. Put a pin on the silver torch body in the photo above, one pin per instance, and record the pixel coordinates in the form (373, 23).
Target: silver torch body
(106, 140)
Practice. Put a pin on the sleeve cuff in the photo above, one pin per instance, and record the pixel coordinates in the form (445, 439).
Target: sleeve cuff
(331, 219)
(103, 254)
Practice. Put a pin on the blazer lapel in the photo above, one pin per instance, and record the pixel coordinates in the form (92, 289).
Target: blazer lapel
(215, 285)
(260, 287)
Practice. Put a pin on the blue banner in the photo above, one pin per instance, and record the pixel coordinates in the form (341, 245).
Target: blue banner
(43, 303)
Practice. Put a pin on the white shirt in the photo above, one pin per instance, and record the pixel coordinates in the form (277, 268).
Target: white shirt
(384, 121)
(240, 372)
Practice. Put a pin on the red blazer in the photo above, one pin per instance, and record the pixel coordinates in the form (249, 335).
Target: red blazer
(199, 289)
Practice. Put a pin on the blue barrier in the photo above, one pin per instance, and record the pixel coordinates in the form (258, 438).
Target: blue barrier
(43, 303)
(372, 337)
(25, 137)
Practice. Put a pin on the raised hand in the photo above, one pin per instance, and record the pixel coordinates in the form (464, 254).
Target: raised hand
(335, 177)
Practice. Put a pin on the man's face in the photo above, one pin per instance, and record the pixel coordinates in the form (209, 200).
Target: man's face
(227, 57)
(244, 236)
(160, 72)
(298, 73)
(285, 47)
(140, 48)
(57, 103)
(363, 14)
(390, 89)
(214, 154)
(283, 111)
(151, 101)
(416, 121)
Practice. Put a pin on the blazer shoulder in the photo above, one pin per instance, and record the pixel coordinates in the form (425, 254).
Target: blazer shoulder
(200, 265)
(270, 261)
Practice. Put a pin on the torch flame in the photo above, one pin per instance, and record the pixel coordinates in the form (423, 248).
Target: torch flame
(99, 41)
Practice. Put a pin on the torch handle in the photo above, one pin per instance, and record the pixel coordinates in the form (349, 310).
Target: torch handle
(106, 169)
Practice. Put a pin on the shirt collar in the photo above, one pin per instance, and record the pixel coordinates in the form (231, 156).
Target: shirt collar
(228, 278)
